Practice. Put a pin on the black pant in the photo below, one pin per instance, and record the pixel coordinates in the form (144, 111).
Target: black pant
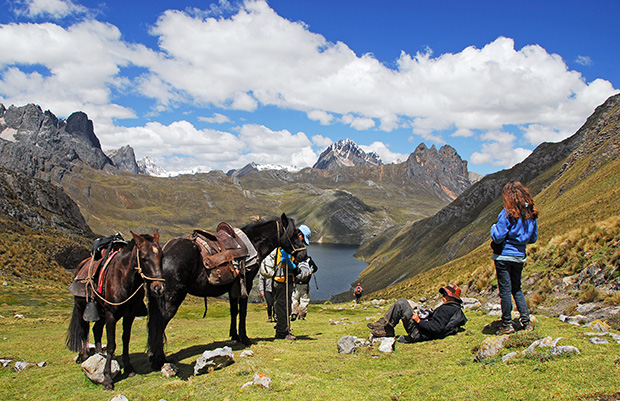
(283, 294)
(269, 301)
(402, 310)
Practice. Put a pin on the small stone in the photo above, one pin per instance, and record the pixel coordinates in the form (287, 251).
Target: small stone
(93, 368)
(18, 316)
(169, 370)
(41, 364)
(346, 345)
(246, 353)
(387, 344)
(490, 346)
(509, 356)
(564, 349)
(119, 397)
(598, 340)
(5, 362)
(212, 360)
(19, 366)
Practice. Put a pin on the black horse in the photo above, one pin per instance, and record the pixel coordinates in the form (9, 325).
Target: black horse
(185, 274)
(127, 274)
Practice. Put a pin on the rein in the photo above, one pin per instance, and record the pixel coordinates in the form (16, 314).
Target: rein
(139, 269)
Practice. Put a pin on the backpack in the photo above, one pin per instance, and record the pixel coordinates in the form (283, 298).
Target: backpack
(457, 320)
(268, 265)
(304, 273)
(358, 290)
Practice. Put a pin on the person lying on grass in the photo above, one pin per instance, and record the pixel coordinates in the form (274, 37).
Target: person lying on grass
(440, 323)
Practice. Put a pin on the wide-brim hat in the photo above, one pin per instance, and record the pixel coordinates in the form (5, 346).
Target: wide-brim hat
(452, 291)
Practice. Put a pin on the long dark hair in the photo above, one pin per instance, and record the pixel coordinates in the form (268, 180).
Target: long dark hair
(518, 201)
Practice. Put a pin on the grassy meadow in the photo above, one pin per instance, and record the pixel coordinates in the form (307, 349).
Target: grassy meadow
(308, 369)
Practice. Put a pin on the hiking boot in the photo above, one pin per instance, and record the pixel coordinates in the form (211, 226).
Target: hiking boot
(270, 319)
(505, 330)
(383, 331)
(378, 324)
(529, 326)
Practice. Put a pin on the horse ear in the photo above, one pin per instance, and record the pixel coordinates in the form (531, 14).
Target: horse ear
(139, 239)
(156, 235)
(284, 220)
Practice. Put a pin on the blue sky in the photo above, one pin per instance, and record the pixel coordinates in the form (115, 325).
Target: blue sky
(201, 85)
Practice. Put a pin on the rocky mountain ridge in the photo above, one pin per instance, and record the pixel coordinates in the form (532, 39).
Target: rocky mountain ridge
(345, 153)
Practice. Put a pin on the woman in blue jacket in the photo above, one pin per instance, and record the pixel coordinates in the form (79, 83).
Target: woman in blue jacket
(515, 228)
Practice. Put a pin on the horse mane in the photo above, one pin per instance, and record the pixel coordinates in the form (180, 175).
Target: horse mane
(259, 223)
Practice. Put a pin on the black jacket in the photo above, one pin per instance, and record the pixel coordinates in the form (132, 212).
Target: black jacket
(444, 321)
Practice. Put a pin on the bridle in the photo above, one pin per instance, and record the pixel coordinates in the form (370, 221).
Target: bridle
(295, 250)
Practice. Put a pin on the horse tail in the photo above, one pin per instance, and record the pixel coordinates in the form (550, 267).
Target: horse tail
(77, 335)
(156, 331)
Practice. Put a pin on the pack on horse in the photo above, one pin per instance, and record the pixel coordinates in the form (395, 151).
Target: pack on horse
(129, 269)
(186, 273)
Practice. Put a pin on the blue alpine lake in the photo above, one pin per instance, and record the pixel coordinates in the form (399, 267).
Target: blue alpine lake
(338, 268)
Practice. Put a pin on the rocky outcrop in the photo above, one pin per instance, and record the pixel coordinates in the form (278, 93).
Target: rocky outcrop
(346, 153)
(39, 204)
(124, 159)
(442, 170)
(38, 144)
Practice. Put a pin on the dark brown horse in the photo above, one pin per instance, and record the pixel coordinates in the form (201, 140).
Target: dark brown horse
(136, 265)
(185, 274)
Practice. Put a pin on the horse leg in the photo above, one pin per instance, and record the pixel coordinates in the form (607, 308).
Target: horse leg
(77, 334)
(127, 323)
(161, 311)
(234, 311)
(97, 334)
(108, 383)
(243, 314)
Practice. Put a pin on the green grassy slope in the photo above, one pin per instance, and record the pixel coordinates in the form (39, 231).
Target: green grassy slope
(308, 369)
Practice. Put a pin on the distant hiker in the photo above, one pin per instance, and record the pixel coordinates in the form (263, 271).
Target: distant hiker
(515, 228)
(358, 292)
(301, 292)
(265, 286)
(442, 322)
(284, 277)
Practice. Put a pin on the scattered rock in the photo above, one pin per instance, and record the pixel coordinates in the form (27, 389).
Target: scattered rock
(259, 380)
(598, 340)
(19, 366)
(509, 356)
(246, 353)
(387, 344)
(490, 346)
(471, 303)
(576, 320)
(18, 316)
(564, 349)
(93, 368)
(346, 345)
(599, 325)
(213, 360)
(42, 364)
(543, 342)
(5, 362)
(169, 370)
(119, 397)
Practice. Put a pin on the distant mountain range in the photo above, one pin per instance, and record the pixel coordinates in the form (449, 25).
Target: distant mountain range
(346, 153)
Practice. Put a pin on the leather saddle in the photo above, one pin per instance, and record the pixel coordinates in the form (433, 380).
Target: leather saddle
(223, 253)
(88, 269)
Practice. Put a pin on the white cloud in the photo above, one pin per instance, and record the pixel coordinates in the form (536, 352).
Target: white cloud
(499, 150)
(386, 155)
(584, 60)
(254, 58)
(216, 119)
(53, 9)
(321, 141)
(358, 123)
(320, 116)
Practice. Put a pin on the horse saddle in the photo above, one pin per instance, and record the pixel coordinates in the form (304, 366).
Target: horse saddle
(87, 270)
(222, 253)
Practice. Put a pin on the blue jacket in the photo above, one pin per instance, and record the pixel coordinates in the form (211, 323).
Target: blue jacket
(515, 234)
